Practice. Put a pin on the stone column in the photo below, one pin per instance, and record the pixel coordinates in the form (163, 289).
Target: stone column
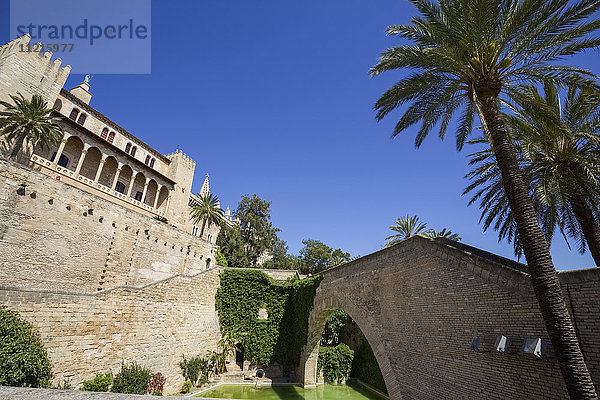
(133, 176)
(145, 191)
(116, 178)
(157, 196)
(100, 167)
(168, 202)
(60, 150)
(81, 159)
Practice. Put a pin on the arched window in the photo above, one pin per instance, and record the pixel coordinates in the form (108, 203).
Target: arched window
(133, 151)
(127, 148)
(111, 137)
(104, 133)
(120, 187)
(74, 114)
(210, 238)
(195, 230)
(81, 119)
(152, 163)
(147, 160)
(207, 263)
(63, 161)
(57, 105)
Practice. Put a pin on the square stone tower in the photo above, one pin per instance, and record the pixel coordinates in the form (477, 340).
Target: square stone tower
(30, 72)
(181, 170)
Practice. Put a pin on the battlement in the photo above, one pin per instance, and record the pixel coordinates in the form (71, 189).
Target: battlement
(27, 70)
(181, 155)
(20, 47)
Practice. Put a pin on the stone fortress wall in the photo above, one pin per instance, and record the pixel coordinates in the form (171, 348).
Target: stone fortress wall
(56, 236)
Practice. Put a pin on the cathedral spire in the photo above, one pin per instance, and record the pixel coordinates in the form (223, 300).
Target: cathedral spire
(205, 189)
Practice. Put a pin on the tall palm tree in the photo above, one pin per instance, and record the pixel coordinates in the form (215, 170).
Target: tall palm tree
(469, 54)
(559, 151)
(406, 228)
(207, 211)
(28, 121)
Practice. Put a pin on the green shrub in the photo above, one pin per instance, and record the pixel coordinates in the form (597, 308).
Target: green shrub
(23, 358)
(101, 383)
(193, 368)
(335, 362)
(187, 387)
(157, 393)
(132, 379)
(220, 258)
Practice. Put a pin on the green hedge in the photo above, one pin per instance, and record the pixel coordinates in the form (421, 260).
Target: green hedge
(23, 358)
(281, 337)
(335, 362)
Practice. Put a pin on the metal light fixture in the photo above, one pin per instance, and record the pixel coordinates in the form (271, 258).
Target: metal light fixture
(501, 344)
(536, 346)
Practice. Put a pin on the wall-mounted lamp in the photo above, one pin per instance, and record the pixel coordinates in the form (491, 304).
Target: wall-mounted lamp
(501, 344)
(536, 346)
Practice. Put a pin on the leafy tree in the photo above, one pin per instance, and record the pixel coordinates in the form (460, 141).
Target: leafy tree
(407, 227)
(28, 121)
(559, 149)
(23, 358)
(333, 328)
(256, 228)
(232, 246)
(220, 259)
(281, 259)
(469, 55)
(207, 211)
(317, 257)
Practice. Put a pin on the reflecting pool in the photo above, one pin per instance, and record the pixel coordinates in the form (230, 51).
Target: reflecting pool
(288, 392)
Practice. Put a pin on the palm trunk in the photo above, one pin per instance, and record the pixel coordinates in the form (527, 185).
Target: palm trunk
(544, 279)
(16, 148)
(589, 226)
(202, 229)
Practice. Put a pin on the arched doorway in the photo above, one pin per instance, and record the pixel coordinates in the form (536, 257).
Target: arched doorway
(71, 153)
(138, 186)
(122, 184)
(151, 193)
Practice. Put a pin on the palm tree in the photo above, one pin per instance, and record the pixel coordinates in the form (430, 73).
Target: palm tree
(28, 121)
(207, 211)
(448, 234)
(406, 228)
(468, 55)
(559, 149)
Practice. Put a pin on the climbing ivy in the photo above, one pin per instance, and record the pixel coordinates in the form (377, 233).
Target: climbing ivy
(279, 338)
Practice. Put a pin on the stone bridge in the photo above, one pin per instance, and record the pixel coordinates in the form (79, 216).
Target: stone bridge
(420, 304)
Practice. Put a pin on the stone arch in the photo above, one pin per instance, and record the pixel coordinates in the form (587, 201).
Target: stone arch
(163, 194)
(138, 186)
(325, 303)
(72, 151)
(124, 179)
(151, 193)
(109, 170)
(91, 163)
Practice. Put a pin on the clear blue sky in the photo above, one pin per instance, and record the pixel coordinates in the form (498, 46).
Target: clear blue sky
(273, 98)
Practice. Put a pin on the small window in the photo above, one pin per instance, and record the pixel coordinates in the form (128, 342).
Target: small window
(120, 187)
(207, 263)
(138, 196)
(210, 238)
(195, 230)
(147, 160)
(104, 133)
(74, 114)
(81, 119)
(133, 151)
(127, 148)
(152, 163)
(111, 137)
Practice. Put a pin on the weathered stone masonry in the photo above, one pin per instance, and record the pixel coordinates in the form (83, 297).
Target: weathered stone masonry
(421, 302)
